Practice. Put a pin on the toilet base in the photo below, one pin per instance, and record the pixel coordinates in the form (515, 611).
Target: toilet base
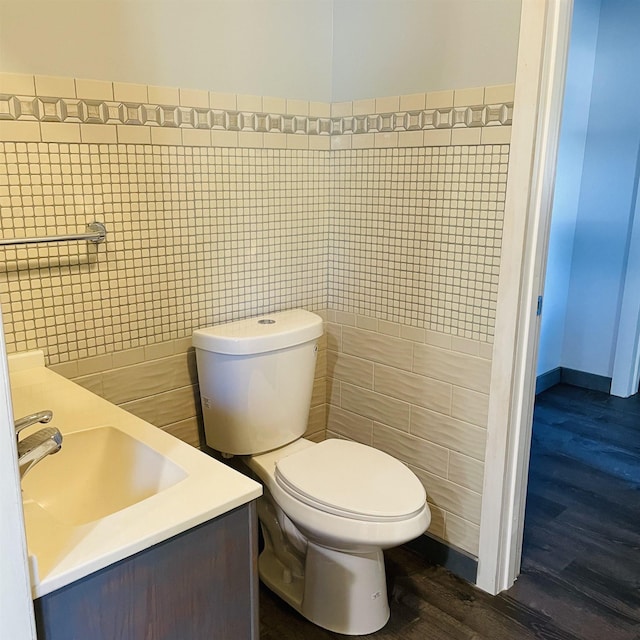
(342, 592)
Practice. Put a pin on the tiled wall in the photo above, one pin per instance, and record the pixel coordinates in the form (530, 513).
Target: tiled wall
(387, 212)
(422, 396)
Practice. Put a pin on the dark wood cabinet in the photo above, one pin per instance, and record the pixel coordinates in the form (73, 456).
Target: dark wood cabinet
(201, 584)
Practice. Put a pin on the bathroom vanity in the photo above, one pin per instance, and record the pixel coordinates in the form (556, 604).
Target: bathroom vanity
(131, 533)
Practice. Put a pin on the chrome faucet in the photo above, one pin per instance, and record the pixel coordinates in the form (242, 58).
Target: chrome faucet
(38, 445)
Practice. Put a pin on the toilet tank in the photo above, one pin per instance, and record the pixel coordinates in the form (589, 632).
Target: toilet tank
(256, 379)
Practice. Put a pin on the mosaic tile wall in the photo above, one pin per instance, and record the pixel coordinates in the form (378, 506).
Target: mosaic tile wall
(195, 236)
(416, 233)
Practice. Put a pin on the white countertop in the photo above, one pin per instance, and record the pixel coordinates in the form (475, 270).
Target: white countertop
(64, 552)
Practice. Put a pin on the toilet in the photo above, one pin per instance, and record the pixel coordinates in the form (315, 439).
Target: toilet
(329, 508)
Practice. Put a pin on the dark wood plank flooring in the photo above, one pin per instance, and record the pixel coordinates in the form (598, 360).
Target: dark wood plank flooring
(581, 563)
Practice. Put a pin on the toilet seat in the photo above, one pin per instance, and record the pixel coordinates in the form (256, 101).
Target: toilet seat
(351, 480)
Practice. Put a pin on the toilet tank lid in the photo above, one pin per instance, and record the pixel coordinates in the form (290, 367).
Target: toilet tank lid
(260, 334)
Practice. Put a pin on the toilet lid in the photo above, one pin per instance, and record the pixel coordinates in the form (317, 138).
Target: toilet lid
(353, 480)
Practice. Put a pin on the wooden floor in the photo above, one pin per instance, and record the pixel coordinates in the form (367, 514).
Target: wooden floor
(581, 564)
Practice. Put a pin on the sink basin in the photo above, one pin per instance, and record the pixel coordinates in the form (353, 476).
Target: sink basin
(98, 472)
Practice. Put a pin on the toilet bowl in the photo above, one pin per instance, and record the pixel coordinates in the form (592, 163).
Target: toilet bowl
(329, 508)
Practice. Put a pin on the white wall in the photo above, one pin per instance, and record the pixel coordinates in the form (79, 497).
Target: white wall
(607, 192)
(258, 47)
(573, 137)
(308, 49)
(396, 47)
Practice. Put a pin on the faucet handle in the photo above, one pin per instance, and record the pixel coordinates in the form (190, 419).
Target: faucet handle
(40, 416)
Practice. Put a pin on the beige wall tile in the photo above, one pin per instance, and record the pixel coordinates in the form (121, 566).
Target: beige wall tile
(439, 99)
(166, 135)
(334, 392)
(366, 322)
(91, 383)
(486, 350)
(224, 138)
(317, 420)
(249, 103)
(470, 135)
(272, 140)
(345, 318)
(163, 95)
(320, 109)
(341, 142)
(130, 92)
(19, 131)
(95, 365)
(94, 89)
(364, 107)
(67, 369)
(462, 533)
(470, 406)
(128, 357)
(341, 109)
(224, 101)
(20, 84)
(274, 105)
(333, 332)
(319, 394)
(55, 86)
(297, 141)
(379, 348)
(448, 432)
(450, 366)
(165, 408)
(412, 388)
(298, 107)
(389, 328)
(385, 140)
(415, 334)
(98, 133)
(148, 378)
(60, 132)
(194, 98)
(350, 369)
(437, 524)
(497, 94)
(411, 450)
(451, 497)
(185, 430)
(437, 138)
(350, 425)
(464, 345)
(375, 406)
(158, 350)
(319, 143)
(388, 104)
(250, 139)
(465, 471)
(196, 137)
(413, 102)
(132, 134)
(410, 138)
(468, 97)
(437, 339)
(363, 141)
(496, 135)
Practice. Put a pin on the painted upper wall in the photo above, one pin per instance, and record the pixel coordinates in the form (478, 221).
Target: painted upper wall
(607, 194)
(321, 50)
(396, 47)
(573, 138)
(258, 47)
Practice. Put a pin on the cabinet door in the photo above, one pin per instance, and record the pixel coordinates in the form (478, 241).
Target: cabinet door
(199, 584)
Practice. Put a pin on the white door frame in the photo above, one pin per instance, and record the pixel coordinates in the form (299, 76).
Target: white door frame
(626, 364)
(16, 605)
(540, 78)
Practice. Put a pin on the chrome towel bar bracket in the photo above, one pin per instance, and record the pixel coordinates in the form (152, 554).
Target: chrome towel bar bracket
(97, 234)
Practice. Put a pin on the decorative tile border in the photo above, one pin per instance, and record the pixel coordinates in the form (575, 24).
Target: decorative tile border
(82, 111)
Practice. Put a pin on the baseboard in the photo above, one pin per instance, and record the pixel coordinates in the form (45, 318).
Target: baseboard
(574, 378)
(437, 552)
(547, 380)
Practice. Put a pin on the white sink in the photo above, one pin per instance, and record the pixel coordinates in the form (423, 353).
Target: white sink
(118, 485)
(97, 473)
